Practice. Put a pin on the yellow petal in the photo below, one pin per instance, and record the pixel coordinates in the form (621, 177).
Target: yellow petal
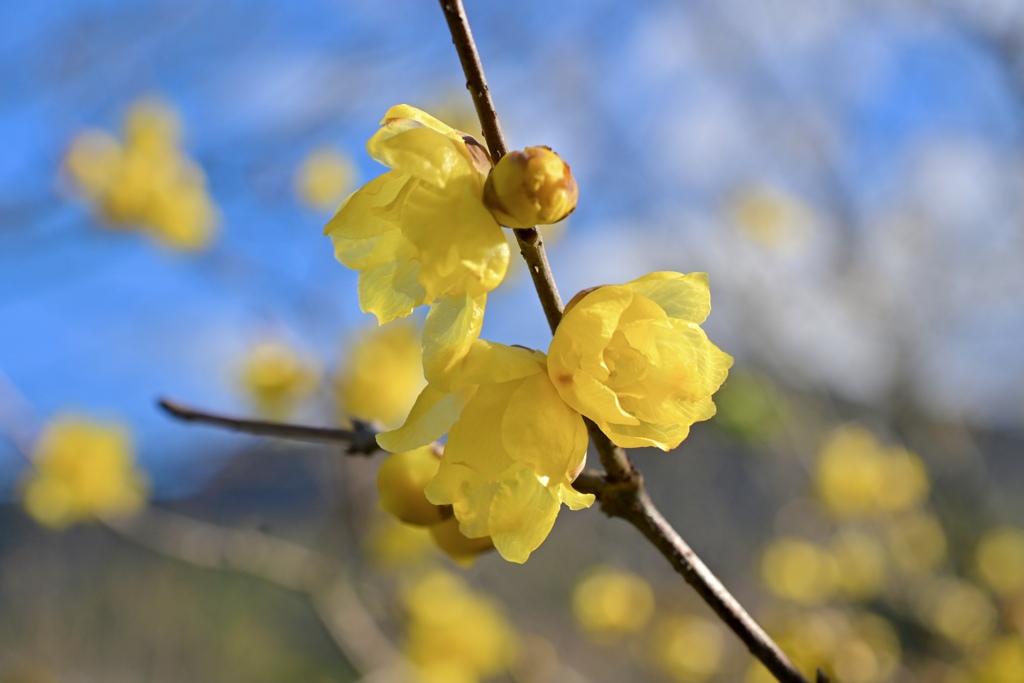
(665, 437)
(475, 441)
(573, 498)
(431, 417)
(491, 363)
(452, 325)
(522, 513)
(410, 113)
(553, 445)
(420, 151)
(457, 240)
(686, 297)
(391, 290)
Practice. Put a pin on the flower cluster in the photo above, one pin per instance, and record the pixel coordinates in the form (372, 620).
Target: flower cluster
(144, 181)
(630, 357)
(83, 470)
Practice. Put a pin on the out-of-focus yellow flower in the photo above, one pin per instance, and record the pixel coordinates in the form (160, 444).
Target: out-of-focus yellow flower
(83, 470)
(1002, 661)
(152, 125)
(420, 233)
(688, 648)
(532, 187)
(860, 648)
(454, 634)
(860, 559)
(917, 543)
(857, 476)
(400, 482)
(276, 378)
(799, 570)
(324, 178)
(504, 472)
(634, 360)
(771, 217)
(383, 374)
(956, 609)
(1000, 560)
(147, 182)
(92, 161)
(456, 545)
(390, 544)
(610, 602)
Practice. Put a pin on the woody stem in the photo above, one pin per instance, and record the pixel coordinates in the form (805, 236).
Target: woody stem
(621, 490)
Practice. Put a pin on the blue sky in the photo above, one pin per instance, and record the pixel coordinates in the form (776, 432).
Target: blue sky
(662, 111)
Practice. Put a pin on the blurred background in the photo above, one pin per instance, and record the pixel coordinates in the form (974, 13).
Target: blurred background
(850, 174)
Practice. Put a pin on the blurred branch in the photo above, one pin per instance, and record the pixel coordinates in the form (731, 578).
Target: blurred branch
(276, 561)
(361, 441)
(621, 491)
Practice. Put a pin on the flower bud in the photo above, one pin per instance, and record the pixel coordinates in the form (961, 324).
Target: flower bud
(532, 187)
(461, 549)
(400, 481)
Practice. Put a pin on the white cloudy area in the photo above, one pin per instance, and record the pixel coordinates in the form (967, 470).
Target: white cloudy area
(849, 173)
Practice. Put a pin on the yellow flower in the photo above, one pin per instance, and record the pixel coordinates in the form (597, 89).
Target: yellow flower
(277, 379)
(146, 182)
(383, 374)
(324, 178)
(858, 476)
(956, 609)
(799, 570)
(420, 233)
(532, 187)
(688, 648)
(391, 545)
(513, 447)
(634, 360)
(453, 633)
(999, 559)
(83, 470)
(610, 602)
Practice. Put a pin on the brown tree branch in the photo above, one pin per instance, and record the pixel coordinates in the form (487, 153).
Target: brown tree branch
(361, 441)
(531, 246)
(621, 491)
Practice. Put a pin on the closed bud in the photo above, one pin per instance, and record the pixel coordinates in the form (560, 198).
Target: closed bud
(461, 549)
(400, 481)
(532, 187)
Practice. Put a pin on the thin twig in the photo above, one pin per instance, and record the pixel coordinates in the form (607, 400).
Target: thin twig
(531, 246)
(360, 441)
(621, 492)
(276, 561)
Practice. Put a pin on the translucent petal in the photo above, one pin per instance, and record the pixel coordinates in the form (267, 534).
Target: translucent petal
(686, 297)
(665, 437)
(573, 498)
(391, 290)
(475, 441)
(451, 327)
(413, 115)
(422, 152)
(538, 429)
(431, 417)
(522, 514)
(361, 213)
(491, 363)
(458, 240)
(588, 396)
(482, 247)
